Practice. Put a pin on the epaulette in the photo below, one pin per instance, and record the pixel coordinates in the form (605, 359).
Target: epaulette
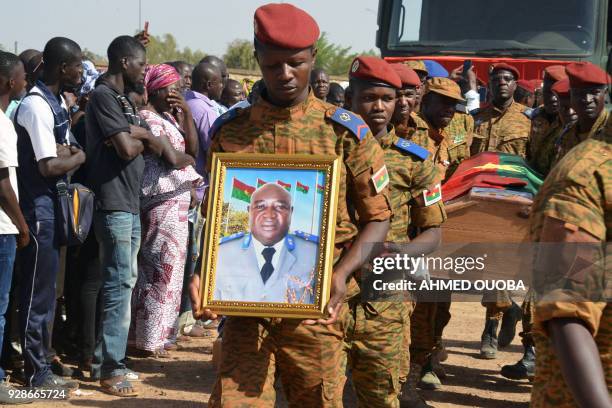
(350, 121)
(306, 236)
(222, 120)
(413, 148)
(530, 113)
(231, 237)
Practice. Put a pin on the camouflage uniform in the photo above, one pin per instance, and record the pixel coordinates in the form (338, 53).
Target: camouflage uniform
(541, 151)
(571, 138)
(497, 131)
(307, 357)
(579, 192)
(448, 149)
(378, 333)
(506, 132)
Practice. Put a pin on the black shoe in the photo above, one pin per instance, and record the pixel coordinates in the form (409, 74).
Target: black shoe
(508, 325)
(60, 369)
(488, 340)
(524, 369)
(18, 376)
(53, 381)
(9, 394)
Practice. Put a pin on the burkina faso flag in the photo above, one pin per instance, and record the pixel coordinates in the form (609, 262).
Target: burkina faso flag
(260, 182)
(301, 188)
(320, 189)
(493, 170)
(286, 186)
(242, 191)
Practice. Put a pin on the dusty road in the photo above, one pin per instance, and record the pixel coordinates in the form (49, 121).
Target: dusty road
(186, 379)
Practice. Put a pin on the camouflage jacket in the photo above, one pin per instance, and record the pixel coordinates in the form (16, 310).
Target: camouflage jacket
(410, 175)
(577, 191)
(541, 130)
(570, 137)
(308, 128)
(448, 147)
(497, 131)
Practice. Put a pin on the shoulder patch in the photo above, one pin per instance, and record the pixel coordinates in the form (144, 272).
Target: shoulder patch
(231, 237)
(350, 121)
(530, 113)
(413, 148)
(222, 120)
(307, 237)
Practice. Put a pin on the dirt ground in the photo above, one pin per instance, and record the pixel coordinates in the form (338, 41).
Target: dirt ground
(186, 378)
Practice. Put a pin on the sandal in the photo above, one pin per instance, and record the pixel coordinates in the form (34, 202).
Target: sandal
(119, 387)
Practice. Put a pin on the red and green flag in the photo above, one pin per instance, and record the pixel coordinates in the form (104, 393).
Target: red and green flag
(432, 196)
(286, 186)
(260, 182)
(492, 170)
(242, 191)
(320, 189)
(301, 188)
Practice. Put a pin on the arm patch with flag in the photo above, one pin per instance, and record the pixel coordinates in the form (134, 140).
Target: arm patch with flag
(432, 196)
(380, 179)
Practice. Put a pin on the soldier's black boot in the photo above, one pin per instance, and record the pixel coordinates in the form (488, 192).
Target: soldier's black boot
(508, 326)
(524, 368)
(488, 340)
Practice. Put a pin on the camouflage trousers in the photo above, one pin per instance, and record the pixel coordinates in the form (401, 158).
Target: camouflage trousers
(306, 358)
(374, 338)
(427, 325)
(497, 302)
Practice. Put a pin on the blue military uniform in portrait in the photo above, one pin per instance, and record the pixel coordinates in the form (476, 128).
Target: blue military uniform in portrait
(239, 275)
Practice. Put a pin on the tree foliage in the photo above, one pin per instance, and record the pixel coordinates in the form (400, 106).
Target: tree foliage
(238, 221)
(239, 54)
(93, 57)
(336, 59)
(164, 48)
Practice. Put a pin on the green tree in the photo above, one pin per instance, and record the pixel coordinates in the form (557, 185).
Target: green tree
(239, 54)
(238, 221)
(164, 48)
(336, 59)
(93, 57)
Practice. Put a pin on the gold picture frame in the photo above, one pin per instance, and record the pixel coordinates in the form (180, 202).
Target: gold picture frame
(303, 270)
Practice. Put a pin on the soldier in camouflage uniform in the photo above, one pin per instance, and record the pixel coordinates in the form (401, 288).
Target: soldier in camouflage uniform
(545, 122)
(573, 328)
(501, 126)
(588, 88)
(376, 330)
(445, 133)
(420, 68)
(288, 118)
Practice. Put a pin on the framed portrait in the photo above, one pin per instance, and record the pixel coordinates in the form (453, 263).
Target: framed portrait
(269, 234)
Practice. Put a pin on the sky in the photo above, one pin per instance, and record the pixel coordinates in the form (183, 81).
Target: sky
(303, 204)
(199, 24)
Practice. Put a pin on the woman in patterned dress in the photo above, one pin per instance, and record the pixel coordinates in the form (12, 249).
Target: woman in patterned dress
(166, 190)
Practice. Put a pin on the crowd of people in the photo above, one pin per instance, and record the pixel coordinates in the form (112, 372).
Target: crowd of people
(140, 137)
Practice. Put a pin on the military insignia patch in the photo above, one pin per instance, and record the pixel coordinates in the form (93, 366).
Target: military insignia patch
(458, 139)
(355, 66)
(380, 179)
(345, 117)
(432, 196)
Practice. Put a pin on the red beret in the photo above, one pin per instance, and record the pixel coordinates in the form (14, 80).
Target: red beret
(285, 26)
(555, 72)
(374, 69)
(507, 67)
(408, 76)
(536, 83)
(526, 85)
(585, 74)
(562, 88)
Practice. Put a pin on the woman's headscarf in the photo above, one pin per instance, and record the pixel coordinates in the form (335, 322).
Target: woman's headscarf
(160, 76)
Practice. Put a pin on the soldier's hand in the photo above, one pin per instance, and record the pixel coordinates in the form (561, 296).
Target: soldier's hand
(338, 292)
(196, 302)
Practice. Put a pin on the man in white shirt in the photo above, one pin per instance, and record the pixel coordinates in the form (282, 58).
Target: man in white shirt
(45, 157)
(14, 231)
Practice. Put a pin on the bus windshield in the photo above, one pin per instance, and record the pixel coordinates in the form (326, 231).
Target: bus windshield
(478, 27)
